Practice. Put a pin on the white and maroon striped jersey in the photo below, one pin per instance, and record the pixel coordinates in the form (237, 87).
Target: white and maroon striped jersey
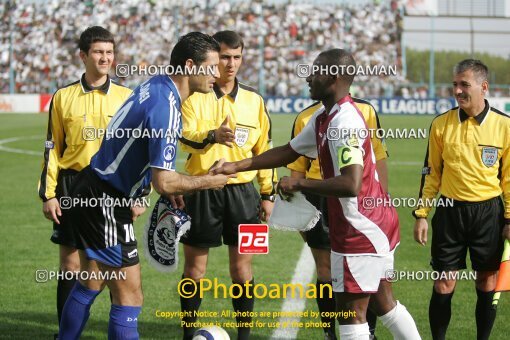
(357, 225)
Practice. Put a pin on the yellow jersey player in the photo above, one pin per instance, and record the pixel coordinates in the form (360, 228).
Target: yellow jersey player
(231, 123)
(467, 161)
(77, 112)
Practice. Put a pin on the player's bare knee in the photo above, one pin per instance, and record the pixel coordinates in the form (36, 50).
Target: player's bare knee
(240, 272)
(444, 286)
(69, 259)
(381, 306)
(486, 281)
(195, 273)
(70, 265)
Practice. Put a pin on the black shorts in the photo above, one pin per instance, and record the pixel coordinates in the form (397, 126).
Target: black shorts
(63, 232)
(475, 226)
(104, 232)
(217, 213)
(317, 237)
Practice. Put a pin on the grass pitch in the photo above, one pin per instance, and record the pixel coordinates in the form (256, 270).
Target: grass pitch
(28, 308)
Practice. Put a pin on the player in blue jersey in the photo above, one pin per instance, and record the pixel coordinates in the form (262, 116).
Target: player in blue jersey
(139, 147)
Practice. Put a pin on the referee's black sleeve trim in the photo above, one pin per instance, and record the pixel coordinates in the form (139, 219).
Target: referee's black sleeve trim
(425, 164)
(42, 187)
(193, 144)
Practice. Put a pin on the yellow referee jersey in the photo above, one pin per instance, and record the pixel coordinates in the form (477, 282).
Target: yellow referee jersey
(248, 119)
(75, 110)
(467, 158)
(312, 168)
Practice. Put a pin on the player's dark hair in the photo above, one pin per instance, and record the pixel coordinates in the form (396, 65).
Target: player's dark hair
(340, 57)
(94, 34)
(480, 70)
(230, 38)
(194, 46)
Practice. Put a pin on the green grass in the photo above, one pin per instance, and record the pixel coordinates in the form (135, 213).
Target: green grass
(27, 308)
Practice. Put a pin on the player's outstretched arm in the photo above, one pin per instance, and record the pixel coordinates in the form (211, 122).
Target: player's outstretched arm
(167, 182)
(346, 185)
(270, 159)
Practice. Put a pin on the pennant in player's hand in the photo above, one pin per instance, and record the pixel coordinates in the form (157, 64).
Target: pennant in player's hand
(165, 227)
(294, 214)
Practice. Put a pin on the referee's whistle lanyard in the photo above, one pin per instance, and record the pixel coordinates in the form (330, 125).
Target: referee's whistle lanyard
(321, 126)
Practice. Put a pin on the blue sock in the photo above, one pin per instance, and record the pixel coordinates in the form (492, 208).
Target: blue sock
(123, 322)
(76, 311)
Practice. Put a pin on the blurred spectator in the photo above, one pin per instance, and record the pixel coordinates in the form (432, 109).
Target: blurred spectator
(277, 37)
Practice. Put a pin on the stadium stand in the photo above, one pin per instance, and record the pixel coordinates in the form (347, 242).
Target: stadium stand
(278, 36)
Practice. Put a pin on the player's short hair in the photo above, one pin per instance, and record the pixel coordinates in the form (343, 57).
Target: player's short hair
(230, 38)
(94, 34)
(194, 46)
(480, 70)
(338, 56)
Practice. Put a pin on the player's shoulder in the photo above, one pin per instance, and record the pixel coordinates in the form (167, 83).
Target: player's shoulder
(349, 116)
(162, 87)
(64, 93)
(440, 121)
(120, 88)
(363, 104)
(310, 110)
(444, 116)
(198, 98)
(68, 87)
(305, 115)
(250, 91)
(246, 87)
(501, 115)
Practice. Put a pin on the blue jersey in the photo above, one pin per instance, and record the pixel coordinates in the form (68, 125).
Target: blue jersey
(142, 134)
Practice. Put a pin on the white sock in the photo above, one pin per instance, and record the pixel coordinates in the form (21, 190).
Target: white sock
(355, 332)
(400, 323)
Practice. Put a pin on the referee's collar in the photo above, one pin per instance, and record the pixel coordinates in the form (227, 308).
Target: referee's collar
(103, 88)
(219, 93)
(464, 116)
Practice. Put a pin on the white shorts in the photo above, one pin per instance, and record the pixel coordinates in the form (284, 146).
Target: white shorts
(359, 273)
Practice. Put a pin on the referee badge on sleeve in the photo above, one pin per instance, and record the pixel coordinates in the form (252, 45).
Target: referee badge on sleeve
(162, 233)
(241, 135)
(489, 156)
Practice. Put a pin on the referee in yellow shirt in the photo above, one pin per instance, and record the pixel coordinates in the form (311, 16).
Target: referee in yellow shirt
(232, 123)
(317, 238)
(76, 110)
(468, 161)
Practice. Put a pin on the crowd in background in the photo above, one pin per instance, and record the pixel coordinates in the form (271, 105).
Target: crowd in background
(277, 38)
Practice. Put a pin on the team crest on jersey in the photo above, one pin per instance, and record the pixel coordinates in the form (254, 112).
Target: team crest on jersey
(241, 135)
(353, 141)
(169, 153)
(489, 156)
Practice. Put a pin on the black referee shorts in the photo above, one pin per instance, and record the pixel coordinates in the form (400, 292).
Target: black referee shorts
(475, 226)
(63, 232)
(218, 213)
(317, 237)
(104, 231)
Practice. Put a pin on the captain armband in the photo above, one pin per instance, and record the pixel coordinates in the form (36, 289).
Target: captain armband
(349, 155)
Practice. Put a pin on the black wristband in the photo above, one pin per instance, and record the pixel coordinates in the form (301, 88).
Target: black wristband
(265, 197)
(211, 137)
